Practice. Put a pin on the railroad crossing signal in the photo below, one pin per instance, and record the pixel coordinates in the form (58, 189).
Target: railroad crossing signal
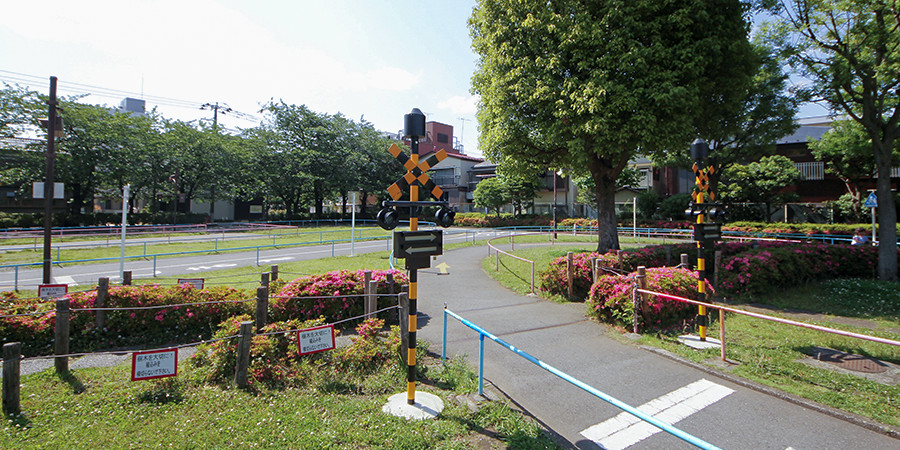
(702, 183)
(416, 173)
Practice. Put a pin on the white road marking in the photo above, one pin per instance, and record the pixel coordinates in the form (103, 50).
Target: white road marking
(625, 430)
(284, 258)
(65, 280)
(214, 266)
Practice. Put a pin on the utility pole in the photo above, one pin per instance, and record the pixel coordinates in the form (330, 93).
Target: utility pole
(215, 109)
(48, 182)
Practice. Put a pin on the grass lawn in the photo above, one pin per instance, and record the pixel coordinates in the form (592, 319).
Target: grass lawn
(100, 408)
(767, 352)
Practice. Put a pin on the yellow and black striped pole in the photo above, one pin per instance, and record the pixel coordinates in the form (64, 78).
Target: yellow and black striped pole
(413, 287)
(699, 152)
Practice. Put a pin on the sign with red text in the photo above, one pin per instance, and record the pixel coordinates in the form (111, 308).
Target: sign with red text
(197, 283)
(314, 340)
(52, 290)
(154, 364)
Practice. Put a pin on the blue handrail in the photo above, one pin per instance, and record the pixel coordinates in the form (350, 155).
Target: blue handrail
(668, 428)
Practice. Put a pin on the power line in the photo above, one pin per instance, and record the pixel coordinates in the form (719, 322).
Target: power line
(82, 88)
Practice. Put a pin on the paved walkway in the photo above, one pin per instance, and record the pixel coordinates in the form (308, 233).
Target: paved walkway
(561, 335)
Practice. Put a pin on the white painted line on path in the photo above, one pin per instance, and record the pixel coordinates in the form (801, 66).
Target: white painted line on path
(65, 280)
(625, 430)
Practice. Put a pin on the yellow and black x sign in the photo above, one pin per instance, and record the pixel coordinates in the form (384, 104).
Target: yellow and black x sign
(702, 182)
(415, 173)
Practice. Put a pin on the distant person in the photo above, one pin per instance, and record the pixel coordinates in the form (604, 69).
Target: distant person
(860, 237)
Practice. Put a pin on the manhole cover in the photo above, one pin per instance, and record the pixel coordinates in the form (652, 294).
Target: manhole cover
(849, 361)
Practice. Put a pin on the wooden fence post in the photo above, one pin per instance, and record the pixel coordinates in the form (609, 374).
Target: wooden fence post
(372, 298)
(685, 261)
(264, 279)
(262, 306)
(274, 271)
(243, 355)
(668, 255)
(570, 273)
(12, 356)
(61, 339)
(594, 270)
(126, 278)
(620, 260)
(367, 306)
(102, 296)
(641, 308)
(404, 322)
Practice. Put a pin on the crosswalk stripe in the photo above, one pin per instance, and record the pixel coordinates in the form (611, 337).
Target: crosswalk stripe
(625, 430)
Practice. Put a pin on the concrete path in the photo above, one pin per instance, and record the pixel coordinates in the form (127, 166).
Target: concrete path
(561, 336)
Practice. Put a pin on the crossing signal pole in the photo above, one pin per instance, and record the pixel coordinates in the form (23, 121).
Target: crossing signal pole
(417, 247)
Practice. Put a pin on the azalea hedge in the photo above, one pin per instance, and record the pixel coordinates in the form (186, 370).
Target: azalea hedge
(174, 324)
(291, 301)
(610, 298)
(479, 220)
(748, 268)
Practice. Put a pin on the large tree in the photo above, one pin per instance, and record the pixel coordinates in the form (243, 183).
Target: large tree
(850, 50)
(584, 85)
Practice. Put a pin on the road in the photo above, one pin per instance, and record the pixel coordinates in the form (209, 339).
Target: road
(86, 275)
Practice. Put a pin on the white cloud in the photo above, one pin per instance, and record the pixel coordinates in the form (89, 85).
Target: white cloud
(460, 104)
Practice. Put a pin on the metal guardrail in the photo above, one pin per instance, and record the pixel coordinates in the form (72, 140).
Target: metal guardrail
(482, 333)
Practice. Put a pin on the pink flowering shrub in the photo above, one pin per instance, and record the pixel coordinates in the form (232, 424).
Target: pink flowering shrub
(762, 270)
(146, 326)
(289, 303)
(273, 357)
(610, 298)
(370, 348)
(554, 279)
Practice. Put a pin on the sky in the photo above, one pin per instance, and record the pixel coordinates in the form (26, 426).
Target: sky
(364, 59)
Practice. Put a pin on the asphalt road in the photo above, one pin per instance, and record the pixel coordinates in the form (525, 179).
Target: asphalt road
(561, 336)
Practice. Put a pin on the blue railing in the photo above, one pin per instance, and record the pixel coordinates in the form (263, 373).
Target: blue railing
(668, 428)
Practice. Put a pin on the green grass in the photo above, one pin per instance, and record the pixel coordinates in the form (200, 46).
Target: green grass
(767, 352)
(100, 408)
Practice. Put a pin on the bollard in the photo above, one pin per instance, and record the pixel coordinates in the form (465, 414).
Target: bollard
(102, 295)
(570, 273)
(12, 356)
(262, 306)
(274, 272)
(594, 270)
(61, 338)
(126, 278)
(243, 355)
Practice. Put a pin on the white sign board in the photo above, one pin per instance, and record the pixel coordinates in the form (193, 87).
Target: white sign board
(154, 364)
(871, 201)
(197, 283)
(52, 290)
(37, 190)
(314, 340)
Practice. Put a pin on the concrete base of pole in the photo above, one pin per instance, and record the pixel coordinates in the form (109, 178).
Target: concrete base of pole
(427, 406)
(694, 342)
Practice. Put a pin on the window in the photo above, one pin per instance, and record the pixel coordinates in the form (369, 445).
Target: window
(443, 138)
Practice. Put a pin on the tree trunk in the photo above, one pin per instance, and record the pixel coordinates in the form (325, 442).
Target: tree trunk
(887, 213)
(318, 196)
(605, 193)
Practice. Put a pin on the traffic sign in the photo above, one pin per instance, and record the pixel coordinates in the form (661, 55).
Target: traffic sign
(871, 201)
(417, 247)
(707, 231)
(415, 173)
